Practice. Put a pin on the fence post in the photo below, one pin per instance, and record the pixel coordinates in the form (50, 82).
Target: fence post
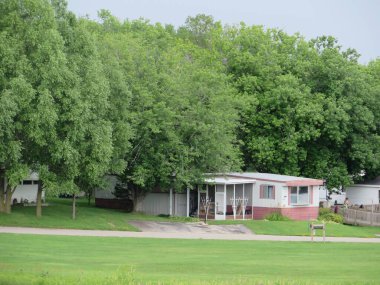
(355, 223)
(372, 214)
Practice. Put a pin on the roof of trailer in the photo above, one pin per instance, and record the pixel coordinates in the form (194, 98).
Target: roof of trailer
(228, 180)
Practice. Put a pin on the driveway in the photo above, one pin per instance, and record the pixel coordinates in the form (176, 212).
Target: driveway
(195, 228)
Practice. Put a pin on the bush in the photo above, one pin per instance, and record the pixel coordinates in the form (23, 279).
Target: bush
(324, 211)
(275, 216)
(331, 217)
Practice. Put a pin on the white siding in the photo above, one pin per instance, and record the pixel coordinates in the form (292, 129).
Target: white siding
(180, 204)
(154, 204)
(363, 194)
(270, 203)
(323, 194)
(281, 198)
(316, 197)
(28, 192)
(158, 203)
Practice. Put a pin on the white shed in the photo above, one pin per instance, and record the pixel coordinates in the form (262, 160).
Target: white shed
(364, 193)
(27, 190)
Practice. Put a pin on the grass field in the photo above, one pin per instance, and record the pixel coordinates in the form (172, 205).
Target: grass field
(58, 215)
(301, 228)
(32, 259)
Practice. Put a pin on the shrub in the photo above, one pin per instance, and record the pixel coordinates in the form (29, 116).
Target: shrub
(275, 216)
(324, 211)
(331, 217)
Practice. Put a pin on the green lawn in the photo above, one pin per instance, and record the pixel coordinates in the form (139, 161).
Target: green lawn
(33, 259)
(301, 228)
(58, 215)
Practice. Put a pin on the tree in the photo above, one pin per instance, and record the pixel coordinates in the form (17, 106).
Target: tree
(309, 111)
(201, 30)
(32, 65)
(83, 149)
(175, 100)
(283, 120)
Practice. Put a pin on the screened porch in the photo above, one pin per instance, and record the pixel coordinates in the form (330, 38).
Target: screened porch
(225, 198)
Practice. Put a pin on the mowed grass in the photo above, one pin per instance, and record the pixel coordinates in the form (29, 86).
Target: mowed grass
(301, 228)
(58, 215)
(34, 259)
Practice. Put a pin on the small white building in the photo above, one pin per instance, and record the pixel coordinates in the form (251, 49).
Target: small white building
(26, 191)
(364, 193)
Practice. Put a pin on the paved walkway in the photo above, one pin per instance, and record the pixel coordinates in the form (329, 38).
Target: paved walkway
(97, 233)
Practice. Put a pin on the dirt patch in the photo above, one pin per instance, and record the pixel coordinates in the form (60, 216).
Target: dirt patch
(168, 227)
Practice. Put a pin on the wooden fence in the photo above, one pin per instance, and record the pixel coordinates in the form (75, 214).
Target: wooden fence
(369, 215)
(376, 208)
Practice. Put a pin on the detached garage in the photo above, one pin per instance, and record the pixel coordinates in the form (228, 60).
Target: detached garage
(364, 193)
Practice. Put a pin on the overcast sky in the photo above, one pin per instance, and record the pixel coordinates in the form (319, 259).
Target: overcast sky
(355, 23)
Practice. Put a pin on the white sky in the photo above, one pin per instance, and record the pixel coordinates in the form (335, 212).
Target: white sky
(355, 23)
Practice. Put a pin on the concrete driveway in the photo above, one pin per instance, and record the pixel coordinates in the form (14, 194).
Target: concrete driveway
(196, 228)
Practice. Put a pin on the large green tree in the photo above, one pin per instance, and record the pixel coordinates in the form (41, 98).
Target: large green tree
(182, 109)
(55, 97)
(32, 67)
(83, 147)
(310, 106)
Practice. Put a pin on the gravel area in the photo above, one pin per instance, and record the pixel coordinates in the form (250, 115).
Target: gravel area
(197, 228)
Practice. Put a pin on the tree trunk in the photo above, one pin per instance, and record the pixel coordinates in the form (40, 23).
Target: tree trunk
(74, 208)
(2, 190)
(89, 196)
(8, 199)
(39, 199)
(2, 200)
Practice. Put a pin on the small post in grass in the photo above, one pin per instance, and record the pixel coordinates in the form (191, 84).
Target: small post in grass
(314, 227)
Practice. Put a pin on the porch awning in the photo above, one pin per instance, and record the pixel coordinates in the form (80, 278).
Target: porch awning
(229, 180)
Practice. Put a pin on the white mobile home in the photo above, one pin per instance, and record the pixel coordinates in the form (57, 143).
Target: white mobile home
(238, 196)
(253, 195)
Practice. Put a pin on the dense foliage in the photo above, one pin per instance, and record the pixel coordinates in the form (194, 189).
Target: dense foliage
(160, 106)
(326, 215)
